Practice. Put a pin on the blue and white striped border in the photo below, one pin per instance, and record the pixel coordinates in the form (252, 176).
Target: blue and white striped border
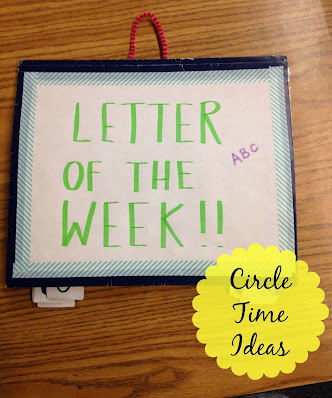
(283, 162)
(24, 269)
(24, 174)
(153, 78)
(116, 268)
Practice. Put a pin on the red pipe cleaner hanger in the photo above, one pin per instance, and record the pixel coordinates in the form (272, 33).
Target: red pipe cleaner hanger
(159, 30)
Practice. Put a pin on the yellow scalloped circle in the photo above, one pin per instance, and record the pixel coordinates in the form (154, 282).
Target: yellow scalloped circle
(220, 326)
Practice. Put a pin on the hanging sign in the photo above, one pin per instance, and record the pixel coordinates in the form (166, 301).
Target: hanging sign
(142, 172)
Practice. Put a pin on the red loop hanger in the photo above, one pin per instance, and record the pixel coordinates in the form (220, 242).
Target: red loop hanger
(159, 30)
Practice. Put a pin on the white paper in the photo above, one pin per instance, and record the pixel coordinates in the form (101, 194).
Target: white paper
(247, 190)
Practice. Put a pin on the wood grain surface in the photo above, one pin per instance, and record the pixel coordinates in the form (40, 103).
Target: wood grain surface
(140, 341)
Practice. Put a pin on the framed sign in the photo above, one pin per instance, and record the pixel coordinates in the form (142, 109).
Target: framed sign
(145, 171)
